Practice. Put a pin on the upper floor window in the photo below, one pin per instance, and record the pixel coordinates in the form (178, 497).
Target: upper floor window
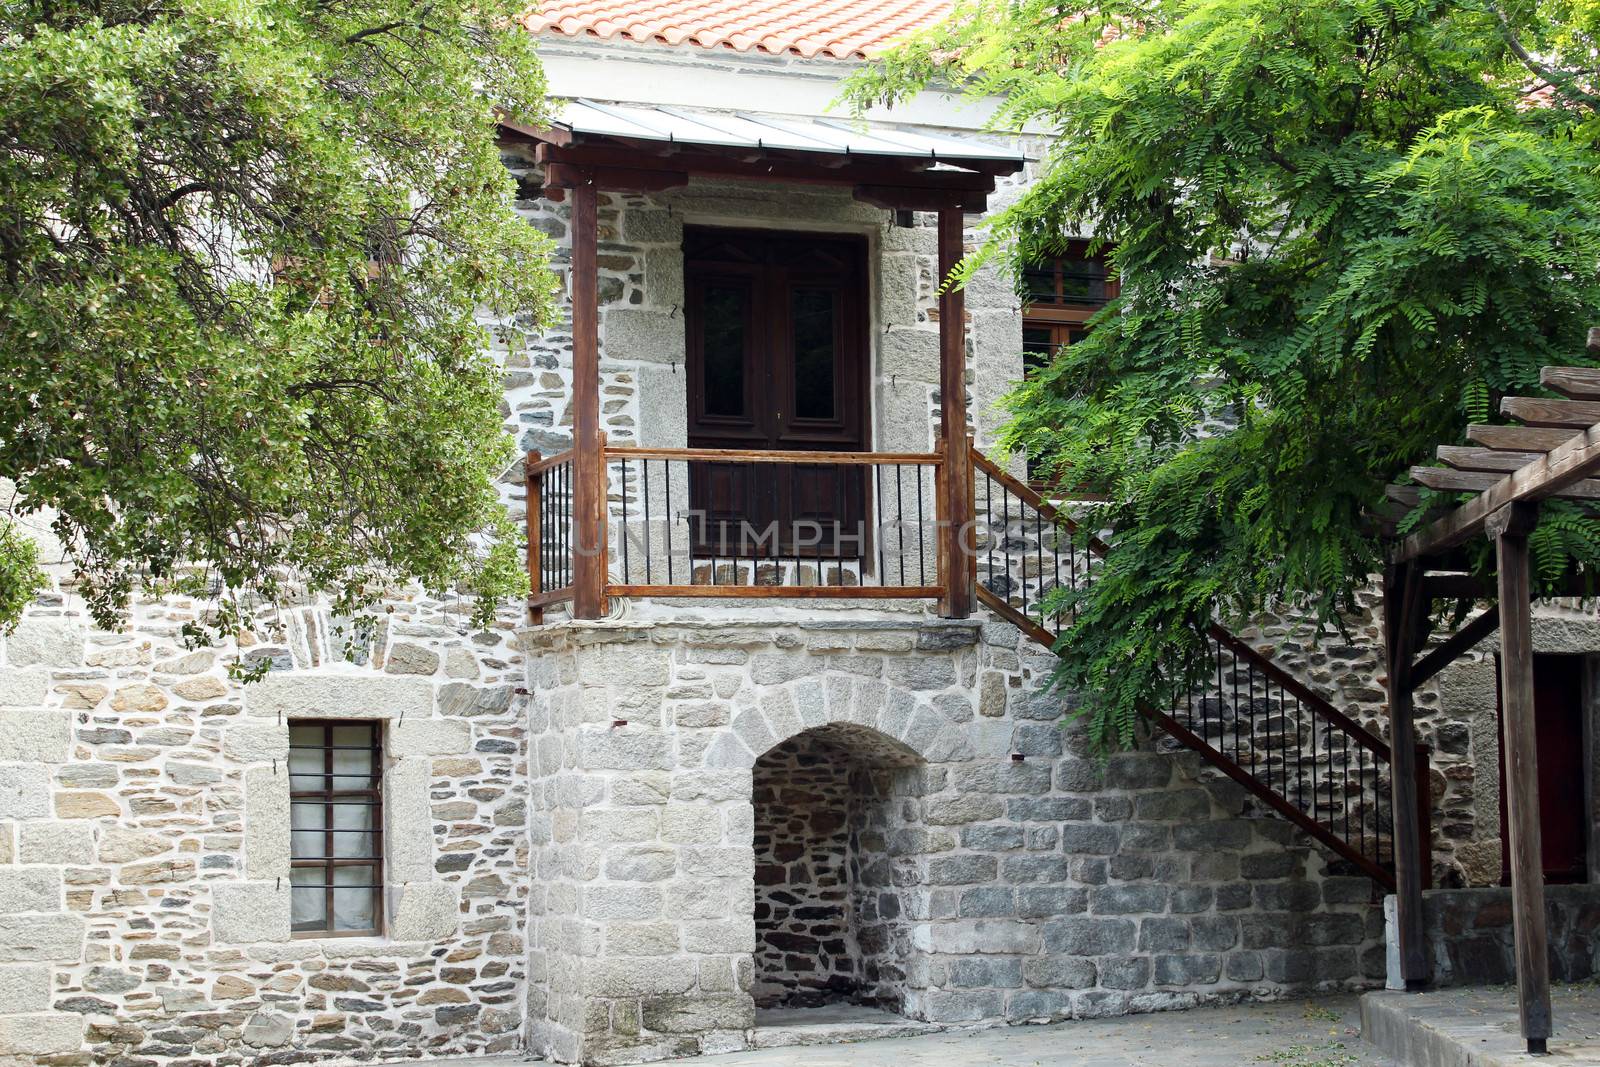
(336, 828)
(1059, 296)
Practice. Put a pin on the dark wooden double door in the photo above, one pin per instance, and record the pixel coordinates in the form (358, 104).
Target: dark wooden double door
(776, 361)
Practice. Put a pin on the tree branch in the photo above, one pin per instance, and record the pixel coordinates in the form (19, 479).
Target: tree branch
(1561, 80)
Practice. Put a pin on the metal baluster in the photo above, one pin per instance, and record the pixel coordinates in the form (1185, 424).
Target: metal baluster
(900, 523)
(877, 521)
(1005, 535)
(988, 520)
(1361, 781)
(644, 474)
(627, 574)
(1222, 724)
(1038, 559)
(922, 533)
(1055, 552)
(666, 476)
(1250, 701)
(1346, 787)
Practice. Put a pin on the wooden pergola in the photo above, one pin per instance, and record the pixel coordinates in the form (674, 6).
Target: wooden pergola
(1553, 453)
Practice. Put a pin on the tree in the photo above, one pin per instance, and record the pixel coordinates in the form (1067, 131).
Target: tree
(1342, 227)
(245, 245)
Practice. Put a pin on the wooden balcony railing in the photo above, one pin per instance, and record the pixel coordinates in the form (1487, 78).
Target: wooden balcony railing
(702, 522)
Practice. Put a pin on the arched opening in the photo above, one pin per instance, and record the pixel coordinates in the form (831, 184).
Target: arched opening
(831, 923)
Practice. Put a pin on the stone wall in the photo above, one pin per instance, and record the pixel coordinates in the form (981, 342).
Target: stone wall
(1036, 883)
(144, 844)
(830, 920)
(1469, 935)
(806, 949)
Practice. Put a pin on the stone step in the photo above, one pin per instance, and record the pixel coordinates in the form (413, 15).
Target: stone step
(1477, 1027)
(833, 1025)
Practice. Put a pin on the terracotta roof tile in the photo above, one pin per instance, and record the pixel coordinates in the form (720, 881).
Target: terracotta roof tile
(838, 29)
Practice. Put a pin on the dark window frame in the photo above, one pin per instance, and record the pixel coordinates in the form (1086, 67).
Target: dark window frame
(329, 797)
(1065, 321)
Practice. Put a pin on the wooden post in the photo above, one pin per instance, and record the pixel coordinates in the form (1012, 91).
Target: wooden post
(1402, 601)
(588, 465)
(1424, 761)
(534, 487)
(1510, 527)
(955, 474)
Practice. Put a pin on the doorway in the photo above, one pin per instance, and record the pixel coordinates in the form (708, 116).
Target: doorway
(777, 361)
(832, 928)
(1560, 705)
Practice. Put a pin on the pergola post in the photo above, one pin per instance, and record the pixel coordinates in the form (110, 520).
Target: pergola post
(588, 467)
(955, 473)
(1509, 527)
(1402, 602)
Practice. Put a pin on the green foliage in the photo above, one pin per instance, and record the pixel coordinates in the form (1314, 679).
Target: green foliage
(20, 577)
(244, 246)
(1341, 234)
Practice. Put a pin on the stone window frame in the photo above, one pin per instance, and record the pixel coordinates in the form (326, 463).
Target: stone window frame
(417, 906)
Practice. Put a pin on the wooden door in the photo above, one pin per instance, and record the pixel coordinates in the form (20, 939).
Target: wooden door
(1564, 817)
(776, 361)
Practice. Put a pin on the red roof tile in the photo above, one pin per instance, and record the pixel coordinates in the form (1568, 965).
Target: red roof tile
(839, 29)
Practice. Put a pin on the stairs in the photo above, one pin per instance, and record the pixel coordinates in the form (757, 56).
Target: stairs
(1251, 719)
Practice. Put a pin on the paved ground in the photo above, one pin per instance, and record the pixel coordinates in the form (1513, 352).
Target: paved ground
(1478, 1027)
(1316, 1033)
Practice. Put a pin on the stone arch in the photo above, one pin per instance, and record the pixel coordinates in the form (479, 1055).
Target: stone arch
(895, 722)
(832, 863)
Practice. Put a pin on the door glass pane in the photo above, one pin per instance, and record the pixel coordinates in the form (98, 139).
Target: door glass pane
(814, 356)
(723, 314)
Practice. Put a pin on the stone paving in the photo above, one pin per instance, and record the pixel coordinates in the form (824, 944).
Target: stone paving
(1323, 1032)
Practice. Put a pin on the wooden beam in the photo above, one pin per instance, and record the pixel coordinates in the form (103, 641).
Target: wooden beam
(1478, 481)
(1402, 603)
(1517, 438)
(955, 474)
(902, 198)
(1509, 527)
(1559, 414)
(1576, 383)
(1408, 495)
(588, 463)
(623, 179)
(855, 171)
(1453, 647)
(1566, 465)
(1465, 458)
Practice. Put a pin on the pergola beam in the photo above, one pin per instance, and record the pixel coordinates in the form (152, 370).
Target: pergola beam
(1566, 465)
(1478, 481)
(1453, 647)
(1555, 414)
(1517, 438)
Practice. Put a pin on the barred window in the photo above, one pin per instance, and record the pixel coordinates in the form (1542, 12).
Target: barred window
(336, 824)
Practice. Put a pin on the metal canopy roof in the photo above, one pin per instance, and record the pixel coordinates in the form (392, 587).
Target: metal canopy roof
(743, 129)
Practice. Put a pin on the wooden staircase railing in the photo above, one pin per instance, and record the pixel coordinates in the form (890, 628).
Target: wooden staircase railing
(1251, 719)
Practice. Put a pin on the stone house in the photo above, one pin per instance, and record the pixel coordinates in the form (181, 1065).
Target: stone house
(658, 817)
